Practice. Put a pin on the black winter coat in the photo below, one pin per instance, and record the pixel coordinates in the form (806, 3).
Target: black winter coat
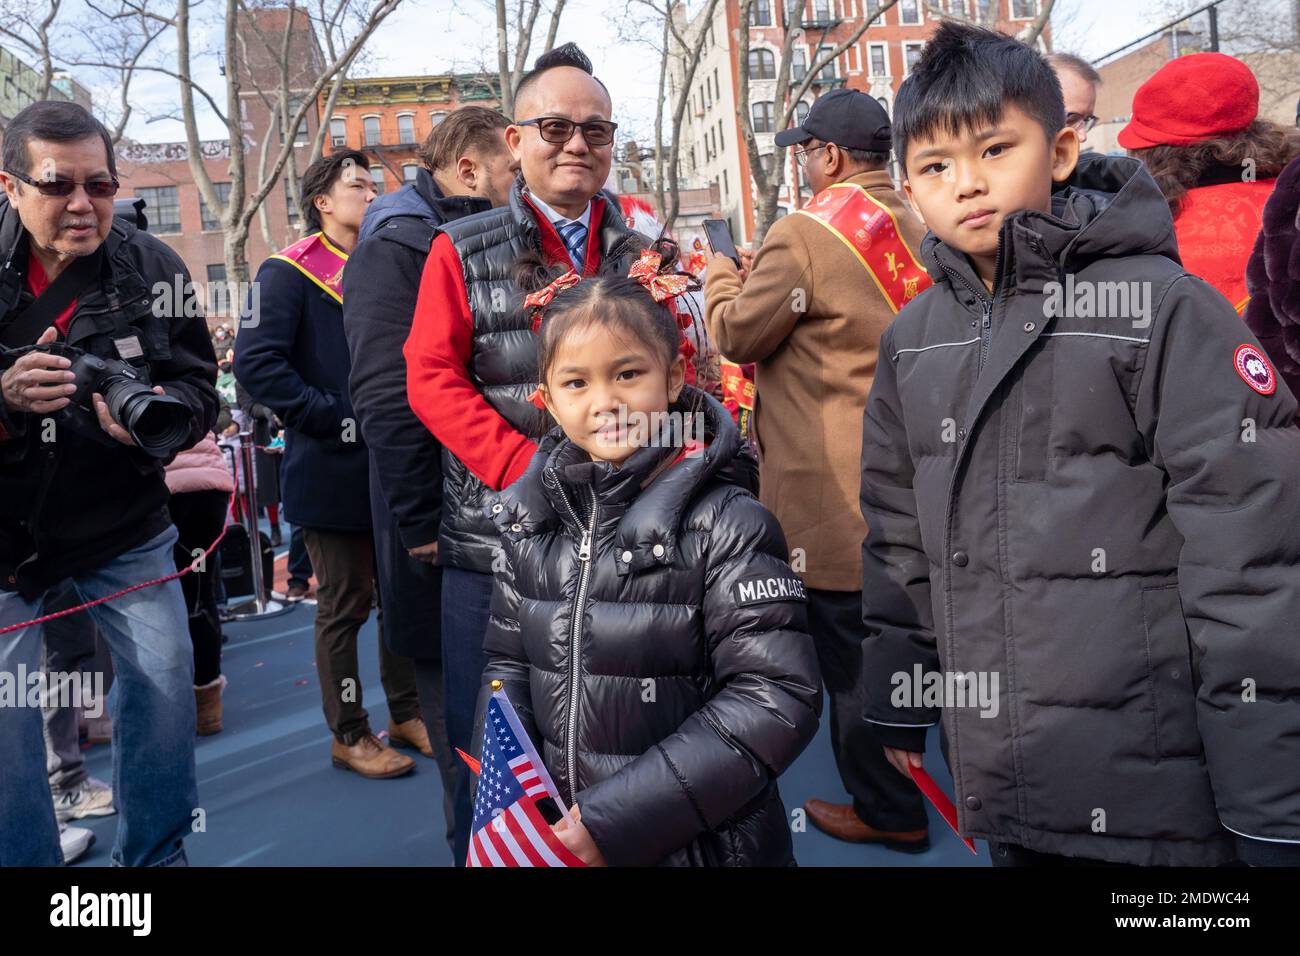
(72, 505)
(1102, 513)
(294, 360)
(504, 360)
(669, 679)
(380, 287)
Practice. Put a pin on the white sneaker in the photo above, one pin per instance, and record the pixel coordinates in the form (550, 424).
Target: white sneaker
(90, 798)
(74, 842)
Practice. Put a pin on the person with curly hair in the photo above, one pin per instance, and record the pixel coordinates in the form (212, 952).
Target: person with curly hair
(1196, 126)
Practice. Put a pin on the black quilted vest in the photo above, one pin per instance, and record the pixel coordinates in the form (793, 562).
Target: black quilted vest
(503, 363)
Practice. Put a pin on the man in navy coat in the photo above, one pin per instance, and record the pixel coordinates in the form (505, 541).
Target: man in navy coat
(292, 356)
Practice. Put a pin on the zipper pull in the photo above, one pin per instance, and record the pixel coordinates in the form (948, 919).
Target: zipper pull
(988, 314)
(584, 547)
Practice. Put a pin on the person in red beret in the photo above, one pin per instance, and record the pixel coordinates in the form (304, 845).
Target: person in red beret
(1195, 125)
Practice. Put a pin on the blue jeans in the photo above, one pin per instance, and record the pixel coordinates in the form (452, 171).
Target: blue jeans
(152, 706)
(466, 600)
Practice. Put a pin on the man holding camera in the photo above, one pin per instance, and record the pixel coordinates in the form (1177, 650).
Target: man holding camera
(103, 382)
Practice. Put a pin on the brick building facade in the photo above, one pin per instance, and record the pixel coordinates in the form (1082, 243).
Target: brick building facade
(876, 64)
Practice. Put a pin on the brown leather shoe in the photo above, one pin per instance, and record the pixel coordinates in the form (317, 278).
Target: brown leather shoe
(207, 706)
(370, 758)
(410, 733)
(841, 822)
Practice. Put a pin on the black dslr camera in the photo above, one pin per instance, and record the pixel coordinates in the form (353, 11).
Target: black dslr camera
(159, 424)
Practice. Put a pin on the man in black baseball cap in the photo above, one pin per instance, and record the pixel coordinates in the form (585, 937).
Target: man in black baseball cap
(824, 286)
(841, 127)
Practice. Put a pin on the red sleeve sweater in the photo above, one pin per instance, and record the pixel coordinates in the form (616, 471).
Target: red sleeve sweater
(438, 386)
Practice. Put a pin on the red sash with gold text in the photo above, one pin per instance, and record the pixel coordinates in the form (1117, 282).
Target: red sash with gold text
(316, 258)
(869, 229)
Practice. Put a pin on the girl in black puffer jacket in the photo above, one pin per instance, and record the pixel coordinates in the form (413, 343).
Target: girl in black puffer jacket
(645, 623)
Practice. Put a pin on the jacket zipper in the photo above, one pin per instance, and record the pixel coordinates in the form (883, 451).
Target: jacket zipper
(575, 634)
(986, 304)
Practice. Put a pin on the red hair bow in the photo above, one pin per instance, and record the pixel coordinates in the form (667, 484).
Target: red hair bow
(662, 287)
(539, 300)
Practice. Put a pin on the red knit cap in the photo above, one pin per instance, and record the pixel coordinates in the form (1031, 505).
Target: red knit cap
(1191, 99)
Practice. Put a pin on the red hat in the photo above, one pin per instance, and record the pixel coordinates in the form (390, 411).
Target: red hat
(1191, 99)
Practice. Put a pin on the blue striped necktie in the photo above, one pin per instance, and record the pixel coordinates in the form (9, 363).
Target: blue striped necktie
(574, 235)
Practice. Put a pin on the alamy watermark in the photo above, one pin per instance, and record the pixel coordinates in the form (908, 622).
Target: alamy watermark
(39, 688)
(946, 689)
(1086, 299)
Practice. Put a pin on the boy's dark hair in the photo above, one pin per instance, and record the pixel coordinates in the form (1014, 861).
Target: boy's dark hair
(323, 174)
(568, 54)
(468, 129)
(611, 300)
(965, 78)
(55, 120)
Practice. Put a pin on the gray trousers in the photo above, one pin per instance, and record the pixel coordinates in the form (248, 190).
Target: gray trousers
(72, 644)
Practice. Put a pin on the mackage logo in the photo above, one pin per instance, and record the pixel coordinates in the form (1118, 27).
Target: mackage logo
(761, 590)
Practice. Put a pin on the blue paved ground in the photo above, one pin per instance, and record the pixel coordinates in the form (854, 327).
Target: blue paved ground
(272, 798)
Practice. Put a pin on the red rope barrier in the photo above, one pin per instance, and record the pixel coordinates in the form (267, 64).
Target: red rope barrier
(135, 587)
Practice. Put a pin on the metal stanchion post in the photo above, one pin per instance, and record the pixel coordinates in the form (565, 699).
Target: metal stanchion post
(259, 606)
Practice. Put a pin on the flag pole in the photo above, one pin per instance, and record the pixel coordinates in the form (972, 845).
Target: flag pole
(508, 709)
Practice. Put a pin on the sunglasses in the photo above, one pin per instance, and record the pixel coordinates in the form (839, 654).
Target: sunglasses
(60, 188)
(558, 130)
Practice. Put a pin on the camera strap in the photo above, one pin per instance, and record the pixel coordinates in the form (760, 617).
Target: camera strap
(39, 315)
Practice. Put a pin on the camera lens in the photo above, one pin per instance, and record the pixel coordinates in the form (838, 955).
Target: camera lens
(159, 424)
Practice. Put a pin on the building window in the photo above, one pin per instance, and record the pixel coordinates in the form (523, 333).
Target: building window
(879, 59)
(406, 128)
(717, 90)
(291, 212)
(300, 134)
(217, 291)
(722, 147)
(338, 131)
(800, 113)
(438, 117)
(725, 189)
(371, 124)
(909, 12)
(377, 176)
(821, 11)
(762, 65)
(911, 53)
(162, 207)
(409, 172)
(762, 113)
(798, 64)
(828, 71)
(760, 13)
(212, 222)
(1024, 9)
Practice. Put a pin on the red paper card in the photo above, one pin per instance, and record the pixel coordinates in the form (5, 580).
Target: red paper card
(940, 801)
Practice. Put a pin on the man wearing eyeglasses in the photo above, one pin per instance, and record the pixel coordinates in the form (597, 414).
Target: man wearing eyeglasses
(810, 312)
(87, 508)
(1079, 82)
(471, 356)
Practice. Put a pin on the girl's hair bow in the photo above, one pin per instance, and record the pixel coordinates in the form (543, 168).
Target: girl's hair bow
(539, 300)
(662, 287)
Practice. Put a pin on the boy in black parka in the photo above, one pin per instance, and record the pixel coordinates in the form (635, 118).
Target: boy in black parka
(1082, 487)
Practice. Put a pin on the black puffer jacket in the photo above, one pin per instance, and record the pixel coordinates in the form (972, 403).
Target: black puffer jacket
(689, 683)
(504, 360)
(1101, 512)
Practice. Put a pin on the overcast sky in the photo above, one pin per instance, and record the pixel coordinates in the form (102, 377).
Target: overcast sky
(438, 36)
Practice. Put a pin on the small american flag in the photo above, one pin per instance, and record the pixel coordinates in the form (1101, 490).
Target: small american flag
(508, 829)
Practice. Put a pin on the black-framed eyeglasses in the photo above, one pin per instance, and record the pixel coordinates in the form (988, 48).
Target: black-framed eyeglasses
(558, 130)
(1083, 124)
(801, 155)
(60, 188)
